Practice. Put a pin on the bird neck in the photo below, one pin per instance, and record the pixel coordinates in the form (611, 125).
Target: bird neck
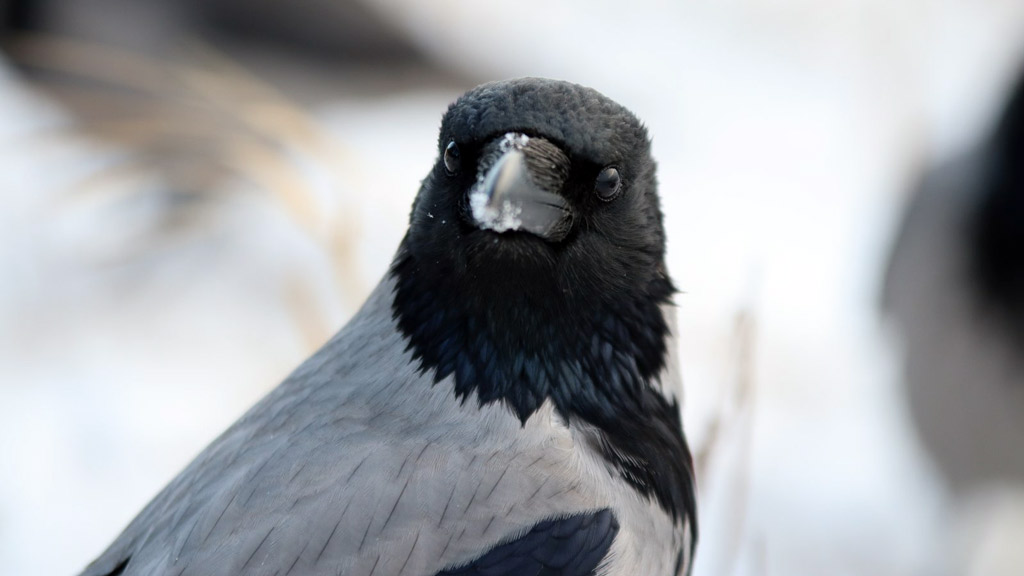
(521, 342)
(596, 360)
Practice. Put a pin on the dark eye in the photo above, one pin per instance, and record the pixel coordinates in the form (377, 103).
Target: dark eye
(608, 184)
(451, 157)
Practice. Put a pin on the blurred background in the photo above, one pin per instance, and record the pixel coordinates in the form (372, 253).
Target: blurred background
(195, 194)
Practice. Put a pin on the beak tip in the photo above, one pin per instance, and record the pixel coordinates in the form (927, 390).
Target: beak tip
(500, 217)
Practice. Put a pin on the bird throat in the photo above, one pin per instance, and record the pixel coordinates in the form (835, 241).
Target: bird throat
(523, 345)
(596, 364)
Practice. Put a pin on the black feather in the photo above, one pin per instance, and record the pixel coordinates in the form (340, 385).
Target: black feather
(572, 546)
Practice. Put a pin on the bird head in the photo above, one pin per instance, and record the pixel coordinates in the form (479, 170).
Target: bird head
(536, 240)
(542, 185)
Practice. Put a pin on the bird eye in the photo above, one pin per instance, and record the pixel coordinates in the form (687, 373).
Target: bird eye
(608, 184)
(451, 157)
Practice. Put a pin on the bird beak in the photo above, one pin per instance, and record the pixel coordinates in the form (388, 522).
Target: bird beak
(508, 200)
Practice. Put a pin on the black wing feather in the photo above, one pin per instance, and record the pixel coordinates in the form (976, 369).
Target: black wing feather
(572, 546)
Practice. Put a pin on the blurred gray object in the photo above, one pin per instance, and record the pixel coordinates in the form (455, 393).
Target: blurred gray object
(15, 15)
(325, 28)
(955, 287)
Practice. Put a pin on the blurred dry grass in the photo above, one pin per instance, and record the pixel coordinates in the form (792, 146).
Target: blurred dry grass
(201, 123)
(731, 430)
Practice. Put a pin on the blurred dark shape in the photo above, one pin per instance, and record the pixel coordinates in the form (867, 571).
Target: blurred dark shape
(998, 252)
(333, 29)
(18, 15)
(955, 288)
(324, 27)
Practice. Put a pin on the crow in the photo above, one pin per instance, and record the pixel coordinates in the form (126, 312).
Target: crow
(506, 402)
(955, 289)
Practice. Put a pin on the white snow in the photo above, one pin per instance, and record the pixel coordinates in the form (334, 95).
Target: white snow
(505, 216)
(500, 219)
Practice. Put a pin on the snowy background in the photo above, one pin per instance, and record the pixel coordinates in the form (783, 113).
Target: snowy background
(189, 206)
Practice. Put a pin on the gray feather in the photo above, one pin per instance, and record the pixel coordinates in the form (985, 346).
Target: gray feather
(357, 464)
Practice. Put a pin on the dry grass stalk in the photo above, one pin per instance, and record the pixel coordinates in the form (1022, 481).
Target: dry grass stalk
(199, 125)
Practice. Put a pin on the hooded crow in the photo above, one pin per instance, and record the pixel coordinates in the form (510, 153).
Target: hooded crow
(955, 287)
(506, 402)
